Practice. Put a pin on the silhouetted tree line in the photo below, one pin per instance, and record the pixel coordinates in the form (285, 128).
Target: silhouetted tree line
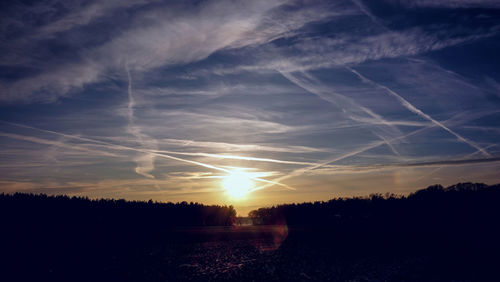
(456, 228)
(42, 209)
(79, 238)
(463, 202)
(442, 233)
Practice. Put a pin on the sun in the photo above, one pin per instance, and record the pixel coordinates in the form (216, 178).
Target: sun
(237, 184)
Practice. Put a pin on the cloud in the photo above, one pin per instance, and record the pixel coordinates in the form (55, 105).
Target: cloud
(145, 162)
(85, 14)
(56, 143)
(364, 148)
(366, 11)
(456, 162)
(189, 90)
(417, 111)
(217, 121)
(147, 152)
(348, 105)
(450, 3)
(438, 164)
(234, 157)
(243, 147)
(157, 37)
(51, 85)
(351, 48)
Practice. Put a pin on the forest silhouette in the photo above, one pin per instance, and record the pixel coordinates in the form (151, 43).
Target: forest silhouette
(26, 209)
(435, 233)
(463, 204)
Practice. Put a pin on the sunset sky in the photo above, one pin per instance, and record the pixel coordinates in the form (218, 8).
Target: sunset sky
(294, 100)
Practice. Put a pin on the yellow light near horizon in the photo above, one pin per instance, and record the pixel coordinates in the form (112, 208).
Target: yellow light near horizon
(237, 184)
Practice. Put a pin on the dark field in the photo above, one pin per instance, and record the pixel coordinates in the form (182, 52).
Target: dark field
(277, 253)
(252, 253)
(435, 234)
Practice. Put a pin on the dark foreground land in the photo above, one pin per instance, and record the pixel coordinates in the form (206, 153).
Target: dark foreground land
(435, 234)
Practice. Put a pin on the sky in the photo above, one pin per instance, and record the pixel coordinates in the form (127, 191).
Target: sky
(309, 100)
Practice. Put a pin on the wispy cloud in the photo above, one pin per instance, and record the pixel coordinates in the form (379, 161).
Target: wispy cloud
(365, 148)
(121, 147)
(172, 36)
(349, 49)
(244, 147)
(234, 157)
(451, 3)
(417, 111)
(55, 143)
(433, 164)
(164, 99)
(145, 162)
(349, 106)
(457, 162)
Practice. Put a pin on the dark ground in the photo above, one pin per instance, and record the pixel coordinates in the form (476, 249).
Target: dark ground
(434, 234)
(249, 253)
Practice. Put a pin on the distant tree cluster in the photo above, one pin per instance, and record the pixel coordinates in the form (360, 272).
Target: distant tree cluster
(79, 238)
(434, 205)
(460, 222)
(58, 238)
(46, 210)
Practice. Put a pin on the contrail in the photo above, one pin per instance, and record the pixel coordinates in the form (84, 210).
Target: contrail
(145, 151)
(393, 149)
(440, 164)
(440, 168)
(338, 98)
(332, 100)
(302, 170)
(417, 111)
(365, 10)
(145, 163)
(321, 95)
(234, 157)
(55, 143)
(243, 147)
(131, 100)
(355, 152)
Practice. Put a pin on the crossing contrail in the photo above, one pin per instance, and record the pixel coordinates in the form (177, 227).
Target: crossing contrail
(337, 99)
(145, 151)
(417, 111)
(353, 153)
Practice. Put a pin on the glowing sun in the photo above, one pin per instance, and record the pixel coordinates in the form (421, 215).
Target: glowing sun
(237, 184)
